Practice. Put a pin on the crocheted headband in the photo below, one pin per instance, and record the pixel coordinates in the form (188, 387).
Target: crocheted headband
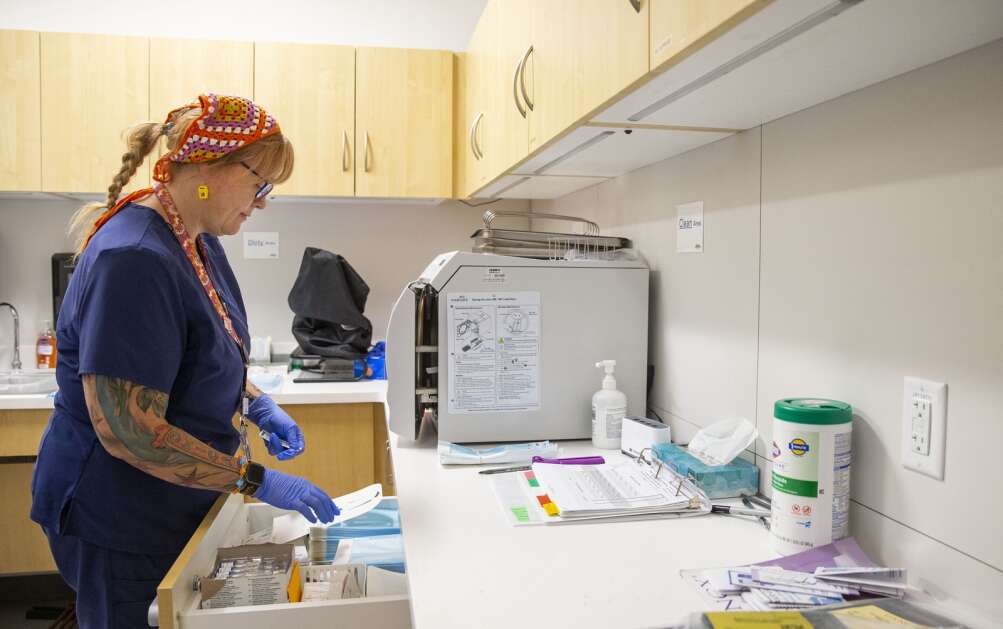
(226, 124)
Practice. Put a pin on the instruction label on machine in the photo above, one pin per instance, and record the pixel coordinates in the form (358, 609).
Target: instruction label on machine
(494, 352)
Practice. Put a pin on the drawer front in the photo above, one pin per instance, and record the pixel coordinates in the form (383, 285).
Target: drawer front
(22, 431)
(384, 612)
(230, 520)
(23, 547)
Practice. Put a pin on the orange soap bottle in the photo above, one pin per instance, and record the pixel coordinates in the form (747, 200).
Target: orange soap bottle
(45, 347)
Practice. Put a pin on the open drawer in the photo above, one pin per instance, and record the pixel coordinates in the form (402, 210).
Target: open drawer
(228, 522)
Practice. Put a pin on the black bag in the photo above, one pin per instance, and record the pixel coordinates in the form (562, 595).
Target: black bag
(328, 299)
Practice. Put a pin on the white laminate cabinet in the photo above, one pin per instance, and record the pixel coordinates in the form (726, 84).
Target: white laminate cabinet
(610, 151)
(794, 54)
(537, 186)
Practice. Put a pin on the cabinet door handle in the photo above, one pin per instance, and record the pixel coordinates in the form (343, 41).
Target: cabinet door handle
(477, 142)
(515, 86)
(473, 136)
(522, 79)
(365, 153)
(345, 157)
(636, 4)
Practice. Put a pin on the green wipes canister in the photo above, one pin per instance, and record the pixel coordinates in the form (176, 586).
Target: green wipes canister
(811, 473)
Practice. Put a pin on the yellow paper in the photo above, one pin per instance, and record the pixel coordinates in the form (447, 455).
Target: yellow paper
(870, 616)
(758, 620)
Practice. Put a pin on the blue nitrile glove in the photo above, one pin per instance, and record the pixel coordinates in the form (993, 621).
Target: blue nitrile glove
(264, 412)
(286, 491)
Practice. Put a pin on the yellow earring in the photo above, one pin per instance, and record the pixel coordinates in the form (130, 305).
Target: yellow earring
(203, 192)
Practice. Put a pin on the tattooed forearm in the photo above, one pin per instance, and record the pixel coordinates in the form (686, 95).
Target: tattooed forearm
(253, 391)
(129, 420)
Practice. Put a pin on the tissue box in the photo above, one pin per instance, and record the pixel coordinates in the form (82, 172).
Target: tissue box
(726, 481)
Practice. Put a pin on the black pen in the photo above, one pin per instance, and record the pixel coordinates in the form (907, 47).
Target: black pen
(758, 513)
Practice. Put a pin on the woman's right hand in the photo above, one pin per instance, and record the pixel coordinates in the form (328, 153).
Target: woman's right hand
(286, 491)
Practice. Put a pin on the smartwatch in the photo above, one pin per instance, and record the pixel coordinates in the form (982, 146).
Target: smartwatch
(252, 478)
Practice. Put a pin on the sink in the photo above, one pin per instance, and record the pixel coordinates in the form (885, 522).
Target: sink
(20, 383)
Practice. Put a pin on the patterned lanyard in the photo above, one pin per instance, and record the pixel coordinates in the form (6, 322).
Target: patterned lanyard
(188, 245)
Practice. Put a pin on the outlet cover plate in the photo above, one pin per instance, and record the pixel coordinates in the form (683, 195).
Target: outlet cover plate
(924, 426)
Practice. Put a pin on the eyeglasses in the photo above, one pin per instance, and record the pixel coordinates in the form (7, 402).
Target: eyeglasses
(264, 188)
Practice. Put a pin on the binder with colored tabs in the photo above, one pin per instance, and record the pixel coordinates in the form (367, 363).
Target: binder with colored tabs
(558, 492)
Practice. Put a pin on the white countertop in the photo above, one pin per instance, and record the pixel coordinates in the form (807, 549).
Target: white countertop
(25, 401)
(468, 567)
(289, 392)
(374, 391)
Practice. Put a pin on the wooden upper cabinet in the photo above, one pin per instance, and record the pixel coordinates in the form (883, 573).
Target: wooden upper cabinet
(20, 133)
(310, 89)
(462, 133)
(93, 88)
(684, 26)
(496, 114)
(585, 52)
(506, 124)
(477, 90)
(403, 123)
(181, 69)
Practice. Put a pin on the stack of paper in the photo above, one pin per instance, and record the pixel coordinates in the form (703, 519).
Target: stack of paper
(588, 491)
(553, 493)
(768, 588)
(874, 580)
(821, 576)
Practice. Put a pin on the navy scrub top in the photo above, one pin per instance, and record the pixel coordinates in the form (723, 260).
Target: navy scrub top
(135, 309)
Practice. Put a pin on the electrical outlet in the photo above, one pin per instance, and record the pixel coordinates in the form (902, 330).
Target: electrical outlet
(920, 436)
(924, 423)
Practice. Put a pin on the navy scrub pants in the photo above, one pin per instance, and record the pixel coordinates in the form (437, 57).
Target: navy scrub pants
(114, 588)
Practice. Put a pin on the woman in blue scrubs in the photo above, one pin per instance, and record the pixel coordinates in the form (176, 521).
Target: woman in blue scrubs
(153, 343)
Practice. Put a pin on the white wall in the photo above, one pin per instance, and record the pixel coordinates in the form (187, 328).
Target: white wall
(442, 24)
(30, 232)
(388, 244)
(703, 308)
(847, 246)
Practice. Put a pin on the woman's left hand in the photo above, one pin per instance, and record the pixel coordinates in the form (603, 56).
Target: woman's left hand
(269, 417)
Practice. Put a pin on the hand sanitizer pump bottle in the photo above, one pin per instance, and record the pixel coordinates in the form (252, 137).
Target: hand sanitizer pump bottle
(609, 406)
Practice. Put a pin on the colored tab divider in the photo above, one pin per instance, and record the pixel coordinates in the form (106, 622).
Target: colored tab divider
(531, 477)
(521, 514)
(548, 505)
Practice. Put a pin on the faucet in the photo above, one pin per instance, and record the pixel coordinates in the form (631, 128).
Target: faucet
(15, 364)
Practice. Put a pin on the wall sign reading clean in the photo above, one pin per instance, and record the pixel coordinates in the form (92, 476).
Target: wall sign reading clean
(261, 245)
(689, 227)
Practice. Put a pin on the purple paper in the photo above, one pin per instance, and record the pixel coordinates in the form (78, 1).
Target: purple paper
(841, 553)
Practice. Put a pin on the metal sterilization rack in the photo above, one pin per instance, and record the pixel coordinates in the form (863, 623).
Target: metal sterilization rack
(545, 245)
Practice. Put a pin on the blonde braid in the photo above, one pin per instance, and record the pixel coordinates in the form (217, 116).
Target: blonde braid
(141, 140)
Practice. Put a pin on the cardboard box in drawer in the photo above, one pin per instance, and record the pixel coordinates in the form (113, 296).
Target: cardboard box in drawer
(257, 574)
